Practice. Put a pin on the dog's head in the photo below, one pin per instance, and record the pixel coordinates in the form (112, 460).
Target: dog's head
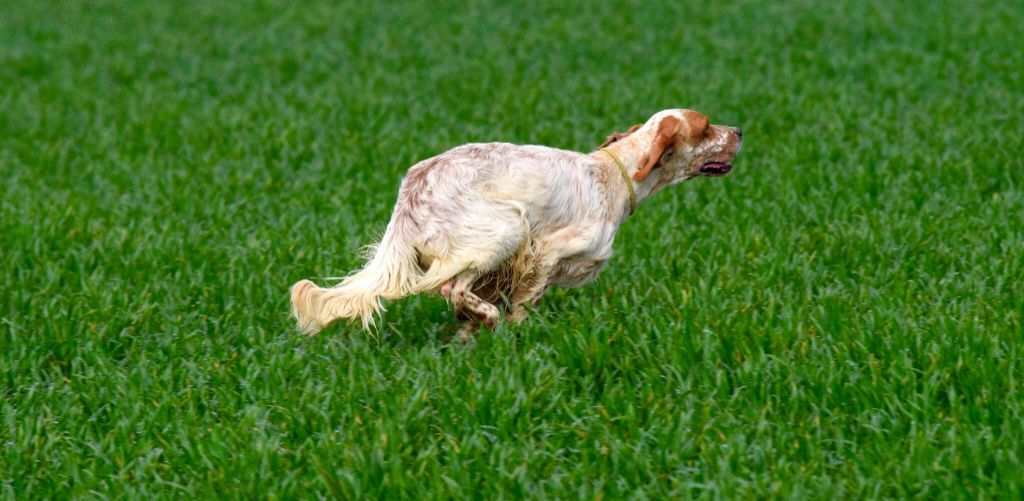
(682, 144)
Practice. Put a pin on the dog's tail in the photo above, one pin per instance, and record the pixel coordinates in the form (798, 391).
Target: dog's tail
(391, 272)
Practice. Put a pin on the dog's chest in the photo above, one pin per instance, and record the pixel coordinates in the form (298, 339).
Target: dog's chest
(577, 270)
(585, 252)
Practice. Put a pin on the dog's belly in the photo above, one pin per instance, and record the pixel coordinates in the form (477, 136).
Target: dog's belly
(521, 270)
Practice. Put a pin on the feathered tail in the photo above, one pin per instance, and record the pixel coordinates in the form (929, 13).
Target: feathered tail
(392, 272)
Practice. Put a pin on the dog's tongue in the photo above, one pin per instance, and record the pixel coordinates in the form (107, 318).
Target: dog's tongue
(716, 168)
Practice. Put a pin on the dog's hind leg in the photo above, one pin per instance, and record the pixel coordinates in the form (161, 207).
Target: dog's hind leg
(466, 252)
(469, 305)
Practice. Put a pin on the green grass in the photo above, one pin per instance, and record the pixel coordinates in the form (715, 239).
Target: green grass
(839, 317)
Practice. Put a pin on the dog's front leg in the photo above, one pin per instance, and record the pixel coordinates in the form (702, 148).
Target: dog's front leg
(553, 248)
(529, 292)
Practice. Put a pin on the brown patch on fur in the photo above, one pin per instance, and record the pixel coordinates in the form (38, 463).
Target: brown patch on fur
(414, 186)
(618, 136)
(697, 124)
(606, 176)
(477, 151)
(663, 139)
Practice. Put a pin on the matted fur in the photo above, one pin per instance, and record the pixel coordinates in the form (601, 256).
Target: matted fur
(491, 225)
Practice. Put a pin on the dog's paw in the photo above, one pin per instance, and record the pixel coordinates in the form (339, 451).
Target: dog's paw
(518, 314)
(466, 336)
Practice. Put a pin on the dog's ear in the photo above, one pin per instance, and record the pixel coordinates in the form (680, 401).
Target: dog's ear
(619, 135)
(664, 139)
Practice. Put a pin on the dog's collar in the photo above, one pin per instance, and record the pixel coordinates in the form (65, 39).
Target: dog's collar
(625, 177)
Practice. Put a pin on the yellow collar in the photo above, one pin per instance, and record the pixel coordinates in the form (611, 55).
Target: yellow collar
(625, 177)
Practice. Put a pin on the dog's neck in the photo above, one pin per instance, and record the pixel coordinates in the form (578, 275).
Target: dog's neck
(633, 154)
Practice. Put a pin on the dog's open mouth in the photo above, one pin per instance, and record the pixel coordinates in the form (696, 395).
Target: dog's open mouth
(715, 168)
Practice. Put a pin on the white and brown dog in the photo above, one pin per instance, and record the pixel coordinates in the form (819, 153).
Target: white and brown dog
(491, 225)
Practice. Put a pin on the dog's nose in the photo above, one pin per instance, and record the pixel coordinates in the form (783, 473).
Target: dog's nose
(739, 132)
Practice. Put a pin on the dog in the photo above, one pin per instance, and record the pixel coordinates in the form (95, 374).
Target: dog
(491, 225)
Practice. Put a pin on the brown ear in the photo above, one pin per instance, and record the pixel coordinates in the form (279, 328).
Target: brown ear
(619, 135)
(663, 139)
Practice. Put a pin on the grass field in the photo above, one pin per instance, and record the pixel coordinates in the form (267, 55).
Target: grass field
(839, 317)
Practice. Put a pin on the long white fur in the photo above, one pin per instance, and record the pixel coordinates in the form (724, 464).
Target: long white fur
(543, 215)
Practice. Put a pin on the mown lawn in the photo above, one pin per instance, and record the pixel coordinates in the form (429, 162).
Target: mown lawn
(840, 317)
